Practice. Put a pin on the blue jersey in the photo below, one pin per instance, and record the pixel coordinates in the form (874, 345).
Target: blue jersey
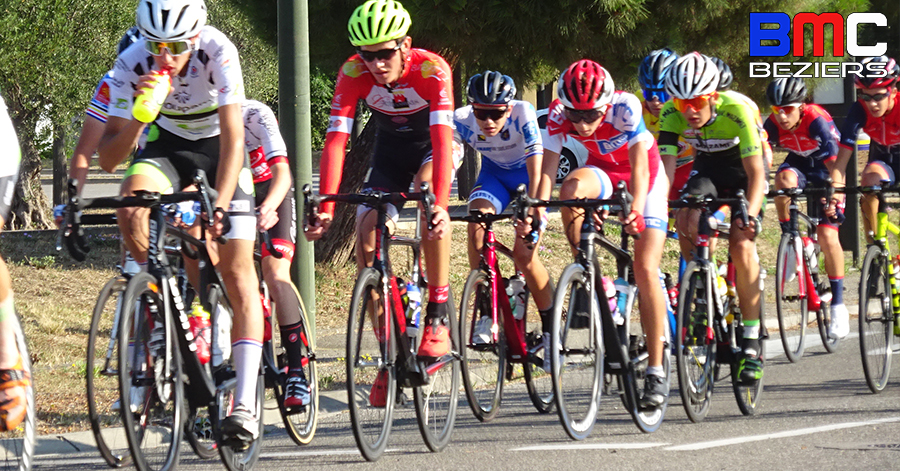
(519, 139)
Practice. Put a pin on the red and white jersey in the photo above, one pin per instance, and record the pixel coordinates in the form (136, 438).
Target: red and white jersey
(622, 128)
(418, 107)
(262, 139)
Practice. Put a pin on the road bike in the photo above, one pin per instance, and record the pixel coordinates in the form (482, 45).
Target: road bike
(486, 363)
(379, 342)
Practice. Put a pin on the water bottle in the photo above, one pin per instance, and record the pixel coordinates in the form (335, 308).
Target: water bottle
(623, 292)
(221, 350)
(609, 287)
(811, 254)
(516, 291)
(199, 323)
(149, 101)
(413, 309)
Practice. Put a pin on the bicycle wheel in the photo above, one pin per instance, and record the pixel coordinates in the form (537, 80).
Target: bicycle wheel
(537, 381)
(18, 444)
(371, 349)
(695, 351)
(823, 315)
(793, 315)
(198, 430)
(748, 396)
(483, 364)
(150, 378)
(300, 423)
(875, 319)
(235, 460)
(436, 402)
(647, 420)
(576, 362)
(101, 375)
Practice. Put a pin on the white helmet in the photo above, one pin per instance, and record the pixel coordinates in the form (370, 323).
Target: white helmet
(692, 75)
(170, 20)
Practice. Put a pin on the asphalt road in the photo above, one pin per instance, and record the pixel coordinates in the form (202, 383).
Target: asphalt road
(814, 414)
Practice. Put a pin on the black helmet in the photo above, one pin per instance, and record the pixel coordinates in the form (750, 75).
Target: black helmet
(490, 88)
(130, 37)
(786, 91)
(725, 75)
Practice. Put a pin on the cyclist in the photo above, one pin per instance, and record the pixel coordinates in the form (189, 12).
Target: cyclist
(277, 213)
(410, 94)
(92, 130)
(720, 126)
(652, 77)
(506, 133)
(608, 122)
(807, 131)
(199, 128)
(875, 112)
(726, 77)
(13, 376)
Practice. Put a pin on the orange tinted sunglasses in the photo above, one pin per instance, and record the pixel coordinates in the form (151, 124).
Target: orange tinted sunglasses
(787, 109)
(697, 103)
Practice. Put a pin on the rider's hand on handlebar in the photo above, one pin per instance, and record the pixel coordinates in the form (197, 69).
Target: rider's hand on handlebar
(266, 217)
(634, 223)
(834, 210)
(524, 226)
(755, 225)
(440, 220)
(317, 230)
(218, 227)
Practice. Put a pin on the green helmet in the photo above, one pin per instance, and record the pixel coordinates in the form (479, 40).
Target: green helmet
(377, 21)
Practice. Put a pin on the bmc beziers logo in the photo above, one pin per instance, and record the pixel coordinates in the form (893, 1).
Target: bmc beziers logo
(776, 34)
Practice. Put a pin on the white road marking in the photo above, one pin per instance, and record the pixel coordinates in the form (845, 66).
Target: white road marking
(292, 454)
(776, 435)
(591, 446)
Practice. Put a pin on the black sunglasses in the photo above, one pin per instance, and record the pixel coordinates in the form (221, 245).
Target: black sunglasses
(866, 97)
(381, 54)
(494, 114)
(577, 116)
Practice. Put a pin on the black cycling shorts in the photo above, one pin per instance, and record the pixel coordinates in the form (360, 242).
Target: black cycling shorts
(284, 232)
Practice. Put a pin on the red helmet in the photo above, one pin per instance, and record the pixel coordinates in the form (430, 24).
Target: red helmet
(890, 66)
(585, 85)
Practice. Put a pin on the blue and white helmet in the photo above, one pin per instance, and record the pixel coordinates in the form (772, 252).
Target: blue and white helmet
(653, 69)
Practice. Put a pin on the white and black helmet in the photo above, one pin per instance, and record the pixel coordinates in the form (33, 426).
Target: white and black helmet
(170, 20)
(692, 75)
(786, 91)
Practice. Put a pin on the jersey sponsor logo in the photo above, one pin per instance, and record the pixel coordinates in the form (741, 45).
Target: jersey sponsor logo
(354, 68)
(224, 90)
(740, 122)
(194, 73)
(399, 100)
(182, 96)
(399, 120)
(432, 69)
(529, 131)
(122, 103)
(607, 146)
(505, 135)
(102, 95)
(481, 138)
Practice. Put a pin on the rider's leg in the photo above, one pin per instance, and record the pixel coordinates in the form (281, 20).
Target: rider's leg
(12, 392)
(133, 222)
(648, 253)
(476, 231)
(874, 173)
(785, 178)
(584, 182)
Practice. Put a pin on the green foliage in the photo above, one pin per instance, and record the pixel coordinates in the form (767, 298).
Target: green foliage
(321, 90)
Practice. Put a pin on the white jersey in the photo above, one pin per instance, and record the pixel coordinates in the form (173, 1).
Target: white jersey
(519, 139)
(212, 79)
(262, 139)
(12, 152)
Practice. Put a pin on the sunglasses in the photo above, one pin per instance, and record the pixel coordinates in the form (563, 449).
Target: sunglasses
(786, 109)
(697, 103)
(176, 48)
(493, 114)
(867, 97)
(381, 54)
(589, 116)
(660, 95)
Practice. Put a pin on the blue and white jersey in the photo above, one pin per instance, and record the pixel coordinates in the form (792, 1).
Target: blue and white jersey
(519, 139)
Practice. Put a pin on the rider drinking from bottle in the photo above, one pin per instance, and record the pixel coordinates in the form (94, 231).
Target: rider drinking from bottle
(608, 123)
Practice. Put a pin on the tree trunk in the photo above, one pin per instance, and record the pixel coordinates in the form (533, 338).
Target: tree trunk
(337, 246)
(468, 172)
(59, 165)
(29, 201)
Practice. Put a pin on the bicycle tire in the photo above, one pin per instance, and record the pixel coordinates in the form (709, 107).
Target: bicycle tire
(18, 444)
(875, 319)
(695, 355)
(823, 317)
(367, 357)
(537, 381)
(792, 309)
(300, 424)
(576, 360)
(749, 396)
(163, 397)
(237, 460)
(101, 375)
(647, 420)
(436, 403)
(198, 430)
(483, 365)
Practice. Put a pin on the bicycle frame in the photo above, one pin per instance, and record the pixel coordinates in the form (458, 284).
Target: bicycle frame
(882, 227)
